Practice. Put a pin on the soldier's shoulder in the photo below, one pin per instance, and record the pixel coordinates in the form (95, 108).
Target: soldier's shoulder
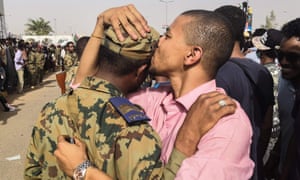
(131, 113)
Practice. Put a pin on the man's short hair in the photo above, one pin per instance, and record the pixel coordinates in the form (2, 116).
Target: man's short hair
(80, 45)
(213, 33)
(237, 18)
(291, 28)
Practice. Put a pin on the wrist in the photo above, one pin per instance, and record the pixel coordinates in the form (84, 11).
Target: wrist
(99, 28)
(186, 146)
(97, 36)
(80, 171)
(187, 141)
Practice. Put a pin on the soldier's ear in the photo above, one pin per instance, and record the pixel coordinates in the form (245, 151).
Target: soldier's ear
(141, 70)
(141, 73)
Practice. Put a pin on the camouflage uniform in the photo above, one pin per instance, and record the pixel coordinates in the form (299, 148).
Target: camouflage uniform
(57, 55)
(70, 75)
(70, 60)
(120, 149)
(32, 68)
(40, 61)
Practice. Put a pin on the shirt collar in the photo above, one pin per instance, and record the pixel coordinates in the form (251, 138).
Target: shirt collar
(188, 99)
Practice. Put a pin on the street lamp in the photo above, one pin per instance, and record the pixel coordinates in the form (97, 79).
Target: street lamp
(166, 4)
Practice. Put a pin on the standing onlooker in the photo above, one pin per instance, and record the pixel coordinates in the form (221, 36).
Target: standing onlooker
(267, 50)
(10, 66)
(20, 59)
(289, 59)
(40, 61)
(80, 45)
(71, 57)
(58, 55)
(251, 84)
(250, 53)
(32, 66)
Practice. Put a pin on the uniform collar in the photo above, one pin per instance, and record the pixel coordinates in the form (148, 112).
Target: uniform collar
(101, 85)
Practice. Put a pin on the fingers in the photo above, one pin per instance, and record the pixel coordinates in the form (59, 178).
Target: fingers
(141, 23)
(129, 18)
(78, 142)
(216, 102)
(61, 138)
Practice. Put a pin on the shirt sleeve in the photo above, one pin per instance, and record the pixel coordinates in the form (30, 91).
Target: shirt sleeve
(173, 165)
(223, 154)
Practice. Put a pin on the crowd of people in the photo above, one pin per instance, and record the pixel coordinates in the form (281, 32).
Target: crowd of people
(23, 65)
(222, 106)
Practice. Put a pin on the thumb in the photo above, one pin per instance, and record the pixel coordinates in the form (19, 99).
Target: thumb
(61, 138)
(78, 142)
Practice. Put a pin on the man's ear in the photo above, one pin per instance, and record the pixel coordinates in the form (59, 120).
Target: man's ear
(194, 55)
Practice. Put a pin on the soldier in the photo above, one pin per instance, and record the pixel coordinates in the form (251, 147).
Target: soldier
(40, 61)
(98, 114)
(32, 66)
(80, 44)
(71, 57)
(57, 55)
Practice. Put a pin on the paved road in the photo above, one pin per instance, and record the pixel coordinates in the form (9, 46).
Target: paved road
(15, 127)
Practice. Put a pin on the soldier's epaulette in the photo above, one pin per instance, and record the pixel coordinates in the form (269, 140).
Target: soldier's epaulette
(130, 112)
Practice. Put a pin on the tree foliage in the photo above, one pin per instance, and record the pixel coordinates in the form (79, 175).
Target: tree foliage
(270, 21)
(38, 27)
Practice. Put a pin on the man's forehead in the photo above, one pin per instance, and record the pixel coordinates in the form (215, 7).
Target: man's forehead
(292, 44)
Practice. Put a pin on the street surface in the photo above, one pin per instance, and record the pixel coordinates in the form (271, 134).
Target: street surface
(16, 127)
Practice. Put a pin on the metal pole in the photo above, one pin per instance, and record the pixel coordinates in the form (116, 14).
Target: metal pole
(166, 6)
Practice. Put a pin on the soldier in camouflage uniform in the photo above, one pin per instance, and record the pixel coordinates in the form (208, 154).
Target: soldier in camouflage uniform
(80, 45)
(32, 66)
(120, 142)
(40, 61)
(71, 58)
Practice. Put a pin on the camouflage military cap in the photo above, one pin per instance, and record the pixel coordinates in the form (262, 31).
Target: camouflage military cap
(140, 49)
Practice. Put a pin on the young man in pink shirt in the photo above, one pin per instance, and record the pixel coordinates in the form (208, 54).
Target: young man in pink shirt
(196, 44)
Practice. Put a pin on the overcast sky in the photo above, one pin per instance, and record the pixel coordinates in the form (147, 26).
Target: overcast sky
(79, 16)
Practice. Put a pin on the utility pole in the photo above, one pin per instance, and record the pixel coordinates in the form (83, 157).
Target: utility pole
(166, 5)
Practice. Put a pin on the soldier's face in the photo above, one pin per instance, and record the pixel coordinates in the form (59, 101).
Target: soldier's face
(289, 58)
(71, 47)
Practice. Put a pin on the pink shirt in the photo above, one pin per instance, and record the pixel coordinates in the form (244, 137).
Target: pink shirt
(223, 153)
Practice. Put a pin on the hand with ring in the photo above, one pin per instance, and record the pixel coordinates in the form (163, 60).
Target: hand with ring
(222, 103)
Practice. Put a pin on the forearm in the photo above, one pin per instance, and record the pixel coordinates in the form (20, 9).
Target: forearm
(167, 172)
(187, 139)
(88, 61)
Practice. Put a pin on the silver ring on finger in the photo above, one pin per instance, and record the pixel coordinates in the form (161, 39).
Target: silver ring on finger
(222, 103)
